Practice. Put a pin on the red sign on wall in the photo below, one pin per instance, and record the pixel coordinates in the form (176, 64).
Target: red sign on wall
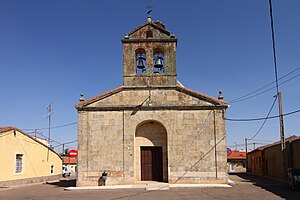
(229, 151)
(73, 153)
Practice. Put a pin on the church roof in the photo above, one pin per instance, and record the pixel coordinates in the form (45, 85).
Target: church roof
(98, 97)
(180, 88)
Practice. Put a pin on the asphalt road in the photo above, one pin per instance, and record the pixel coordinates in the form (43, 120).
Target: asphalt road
(248, 187)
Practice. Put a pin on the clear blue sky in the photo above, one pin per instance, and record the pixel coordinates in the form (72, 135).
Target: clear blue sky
(51, 51)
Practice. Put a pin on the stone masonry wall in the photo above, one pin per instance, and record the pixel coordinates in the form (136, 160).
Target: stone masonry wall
(104, 145)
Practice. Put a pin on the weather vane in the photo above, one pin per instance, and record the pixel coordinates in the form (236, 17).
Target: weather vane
(149, 8)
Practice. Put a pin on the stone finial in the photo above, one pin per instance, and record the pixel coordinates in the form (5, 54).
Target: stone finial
(81, 97)
(221, 97)
(149, 13)
(126, 36)
(149, 19)
(172, 35)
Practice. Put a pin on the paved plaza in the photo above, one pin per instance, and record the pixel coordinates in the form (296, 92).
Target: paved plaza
(247, 187)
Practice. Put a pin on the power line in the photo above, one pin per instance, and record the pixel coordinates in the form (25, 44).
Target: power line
(53, 127)
(236, 145)
(266, 141)
(265, 119)
(261, 118)
(274, 46)
(59, 143)
(252, 94)
(242, 145)
(264, 91)
(66, 143)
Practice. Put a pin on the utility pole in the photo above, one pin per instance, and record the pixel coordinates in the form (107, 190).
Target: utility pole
(49, 110)
(281, 122)
(235, 146)
(282, 139)
(49, 113)
(246, 145)
(246, 148)
(276, 81)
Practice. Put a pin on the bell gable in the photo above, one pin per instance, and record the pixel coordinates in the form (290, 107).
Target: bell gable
(153, 30)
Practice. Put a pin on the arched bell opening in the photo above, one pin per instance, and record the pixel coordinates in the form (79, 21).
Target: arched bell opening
(151, 152)
(158, 61)
(140, 60)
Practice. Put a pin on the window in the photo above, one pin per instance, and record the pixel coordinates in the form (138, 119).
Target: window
(19, 163)
(52, 169)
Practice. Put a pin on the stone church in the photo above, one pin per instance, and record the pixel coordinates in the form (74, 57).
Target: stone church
(151, 128)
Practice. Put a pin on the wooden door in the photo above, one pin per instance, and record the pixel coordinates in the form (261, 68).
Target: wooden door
(151, 164)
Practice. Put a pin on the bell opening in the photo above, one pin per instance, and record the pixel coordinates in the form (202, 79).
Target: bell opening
(158, 63)
(140, 61)
(140, 64)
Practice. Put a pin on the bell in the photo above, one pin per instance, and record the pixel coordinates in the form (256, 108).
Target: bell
(140, 64)
(158, 63)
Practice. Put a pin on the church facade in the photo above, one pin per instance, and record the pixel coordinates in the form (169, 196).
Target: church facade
(151, 128)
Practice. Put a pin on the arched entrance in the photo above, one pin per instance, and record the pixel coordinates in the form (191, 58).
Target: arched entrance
(151, 153)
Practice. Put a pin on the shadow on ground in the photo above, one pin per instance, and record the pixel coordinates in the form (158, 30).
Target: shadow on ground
(64, 183)
(277, 187)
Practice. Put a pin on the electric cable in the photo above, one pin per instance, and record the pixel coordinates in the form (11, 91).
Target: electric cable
(265, 119)
(59, 143)
(252, 94)
(266, 141)
(53, 127)
(274, 46)
(261, 118)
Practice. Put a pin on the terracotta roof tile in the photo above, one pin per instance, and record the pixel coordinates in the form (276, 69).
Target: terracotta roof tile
(8, 128)
(98, 97)
(288, 139)
(204, 96)
(5, 129)
(179, 87)
(67, 160)
(237, 155)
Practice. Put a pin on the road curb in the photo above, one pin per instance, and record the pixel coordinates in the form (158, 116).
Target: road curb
(149, 187)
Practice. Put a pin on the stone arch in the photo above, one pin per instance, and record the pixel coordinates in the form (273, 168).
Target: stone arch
(149, 134)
